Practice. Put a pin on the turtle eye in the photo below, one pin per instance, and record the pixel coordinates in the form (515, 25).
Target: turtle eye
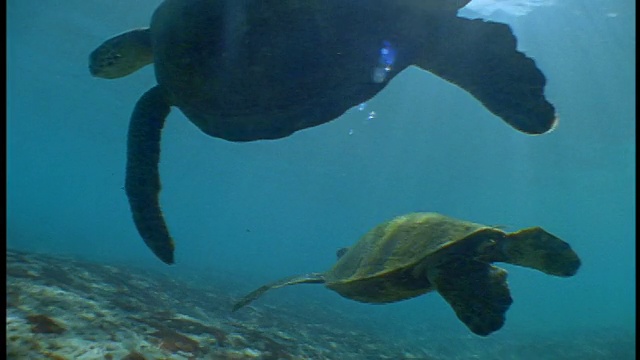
(487, 246)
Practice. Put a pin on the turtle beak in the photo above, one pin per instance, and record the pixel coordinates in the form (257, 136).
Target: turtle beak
(103, 63)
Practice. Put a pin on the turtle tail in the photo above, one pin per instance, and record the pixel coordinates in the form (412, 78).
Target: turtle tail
(537, 249)
(142, 182)
(312, 278)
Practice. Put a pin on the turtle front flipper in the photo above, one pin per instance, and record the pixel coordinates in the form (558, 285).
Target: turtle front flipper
(142, 182)
(481, 57)
(477, 292)
(537, 249)
(312, 278)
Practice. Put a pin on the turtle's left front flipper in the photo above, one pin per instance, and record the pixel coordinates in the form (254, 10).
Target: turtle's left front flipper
(477, 292)
(142, 182)
(481, 57)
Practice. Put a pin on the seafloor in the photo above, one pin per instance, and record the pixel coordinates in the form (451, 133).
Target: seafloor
(64, 308)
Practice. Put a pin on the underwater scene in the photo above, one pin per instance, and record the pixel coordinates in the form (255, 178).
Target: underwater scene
(444, 179)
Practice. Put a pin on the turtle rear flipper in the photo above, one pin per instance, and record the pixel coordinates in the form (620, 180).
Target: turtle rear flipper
(312, 278)
(481, 57)
(142, 182)
(537, 249)
(477, 292)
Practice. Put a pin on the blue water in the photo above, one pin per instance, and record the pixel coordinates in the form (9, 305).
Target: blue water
(268, 209)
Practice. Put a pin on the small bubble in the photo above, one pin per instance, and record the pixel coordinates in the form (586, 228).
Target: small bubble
(379, 75)
(362, 106)
(350, 131)
(372, 115)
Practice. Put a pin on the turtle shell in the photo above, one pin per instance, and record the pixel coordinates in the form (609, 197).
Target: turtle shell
(383, 265)
(242, 71)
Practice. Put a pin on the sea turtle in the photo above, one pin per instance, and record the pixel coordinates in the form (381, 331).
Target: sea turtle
(420, 252)
(245, 70)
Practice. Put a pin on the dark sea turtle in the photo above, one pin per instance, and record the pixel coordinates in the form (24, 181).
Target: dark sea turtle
(245, 70)
(421, 252)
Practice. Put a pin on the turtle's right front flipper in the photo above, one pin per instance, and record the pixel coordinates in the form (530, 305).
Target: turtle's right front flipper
(142, 182)
(482, 58)
(313, 278)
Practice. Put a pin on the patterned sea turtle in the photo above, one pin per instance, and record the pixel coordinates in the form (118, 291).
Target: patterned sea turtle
(245, 70)
(422, 252)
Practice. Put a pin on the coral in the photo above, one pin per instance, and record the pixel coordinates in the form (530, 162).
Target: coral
(195, 327)
(53, 356)
(134, 355)
(118, 321)
(173, 341)
(44, 325)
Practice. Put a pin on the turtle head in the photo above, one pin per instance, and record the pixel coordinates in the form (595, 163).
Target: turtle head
(122, 54)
